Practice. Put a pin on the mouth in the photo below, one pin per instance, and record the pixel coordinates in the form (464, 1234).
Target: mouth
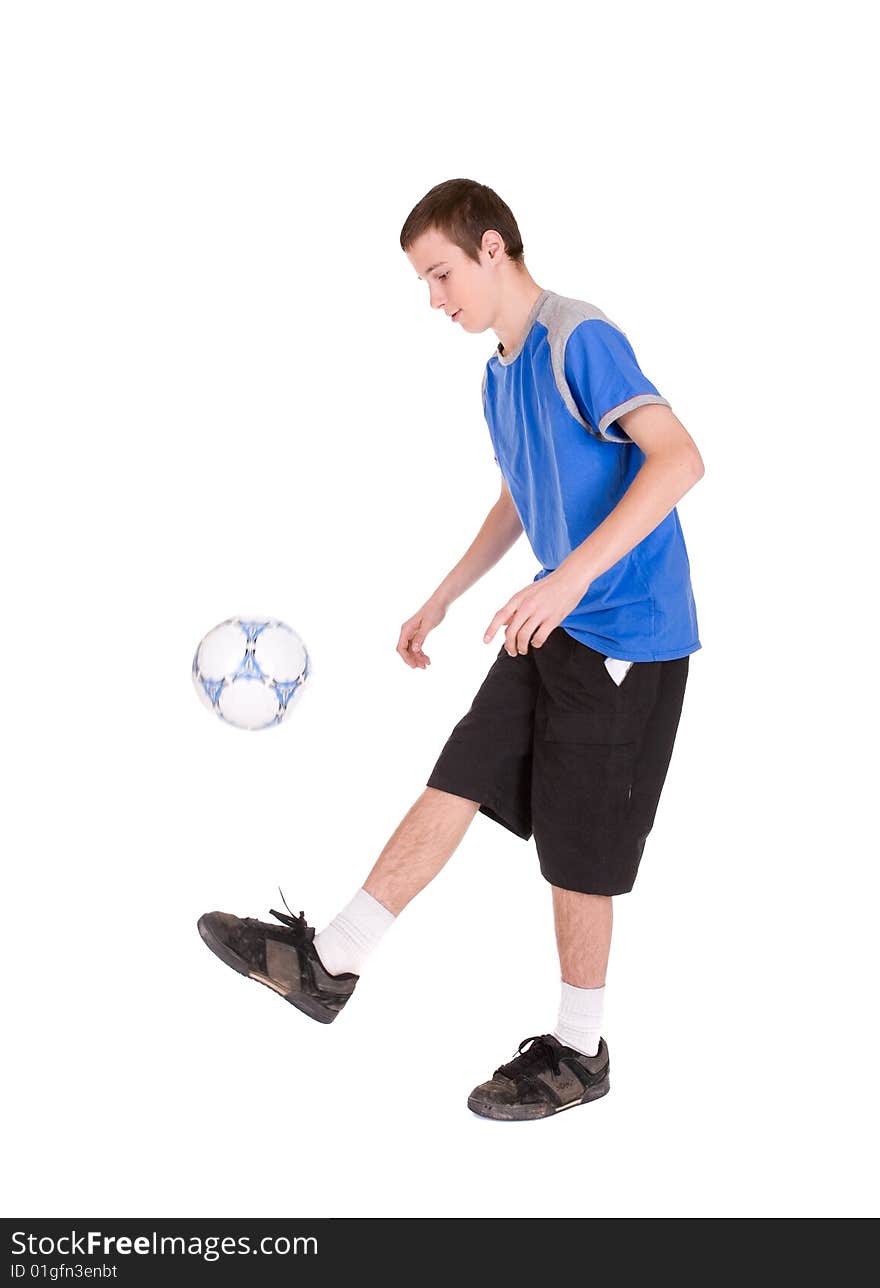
(454, 316)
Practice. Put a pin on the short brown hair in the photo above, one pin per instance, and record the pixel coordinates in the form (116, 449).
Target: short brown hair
(462, 210)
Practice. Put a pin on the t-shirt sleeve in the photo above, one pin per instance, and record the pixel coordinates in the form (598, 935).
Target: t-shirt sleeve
(604, 377)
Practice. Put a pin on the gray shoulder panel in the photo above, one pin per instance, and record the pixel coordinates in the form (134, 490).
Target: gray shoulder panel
(560, 315)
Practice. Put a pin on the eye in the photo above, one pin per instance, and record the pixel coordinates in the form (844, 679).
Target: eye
(441, 276)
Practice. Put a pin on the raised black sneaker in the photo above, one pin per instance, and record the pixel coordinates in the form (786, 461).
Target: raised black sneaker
(283, 957)
(541, 1081)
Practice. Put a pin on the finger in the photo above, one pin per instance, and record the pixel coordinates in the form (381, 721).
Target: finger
(403, 648)
(420, 657)
(498, 620)
(513, 624)
(527, 634)
(519, 630)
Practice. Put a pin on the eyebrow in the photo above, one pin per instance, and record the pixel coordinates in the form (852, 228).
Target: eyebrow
(431, 269)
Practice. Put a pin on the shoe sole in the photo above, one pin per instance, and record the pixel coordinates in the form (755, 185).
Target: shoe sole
(530, 1113)
(315, 1010)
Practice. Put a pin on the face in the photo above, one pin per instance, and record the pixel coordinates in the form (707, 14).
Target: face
(465, 291)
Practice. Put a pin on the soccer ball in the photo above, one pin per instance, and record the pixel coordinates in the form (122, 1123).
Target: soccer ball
(251, 671)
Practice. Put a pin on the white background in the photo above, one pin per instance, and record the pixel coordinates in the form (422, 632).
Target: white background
(224, 393)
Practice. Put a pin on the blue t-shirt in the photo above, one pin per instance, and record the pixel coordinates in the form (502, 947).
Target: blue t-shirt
(551, 405)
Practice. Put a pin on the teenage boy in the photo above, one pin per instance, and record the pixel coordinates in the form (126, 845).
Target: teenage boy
(570, 735)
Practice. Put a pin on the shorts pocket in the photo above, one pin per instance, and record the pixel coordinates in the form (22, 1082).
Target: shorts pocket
(630, 667)
(586, 770)
(586, 670)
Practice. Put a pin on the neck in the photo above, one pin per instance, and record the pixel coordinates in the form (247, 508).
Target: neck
(517, 302)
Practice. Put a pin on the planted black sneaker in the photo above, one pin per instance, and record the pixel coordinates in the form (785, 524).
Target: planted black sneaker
(284, 958)
(541, 1081)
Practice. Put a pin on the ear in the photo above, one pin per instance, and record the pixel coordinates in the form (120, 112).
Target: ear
(492, 243)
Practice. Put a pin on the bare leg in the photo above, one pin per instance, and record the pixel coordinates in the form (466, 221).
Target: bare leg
(583, 936)
(425, 838)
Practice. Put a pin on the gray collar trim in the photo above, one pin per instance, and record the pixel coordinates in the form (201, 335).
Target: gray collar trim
(506, 358)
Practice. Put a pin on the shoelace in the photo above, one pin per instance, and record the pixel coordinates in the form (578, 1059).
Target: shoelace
(303, 932)
(537, 1056)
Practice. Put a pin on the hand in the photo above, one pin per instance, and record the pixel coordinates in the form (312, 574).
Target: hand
(414, 632)
(533, 612)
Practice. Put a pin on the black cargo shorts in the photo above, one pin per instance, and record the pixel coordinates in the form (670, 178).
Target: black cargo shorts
(553, 746)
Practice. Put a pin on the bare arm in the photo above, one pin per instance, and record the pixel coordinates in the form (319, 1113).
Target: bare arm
(501, 528)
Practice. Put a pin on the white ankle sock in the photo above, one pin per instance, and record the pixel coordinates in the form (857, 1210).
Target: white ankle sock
(351, 936)
(580, 1018)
